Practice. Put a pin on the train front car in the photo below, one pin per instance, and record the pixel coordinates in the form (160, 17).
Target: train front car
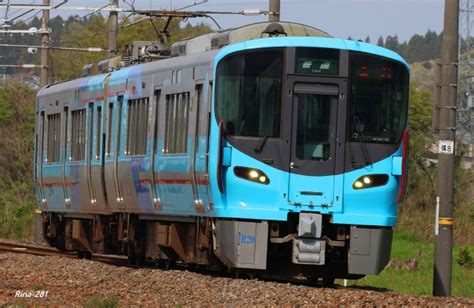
(308, 155)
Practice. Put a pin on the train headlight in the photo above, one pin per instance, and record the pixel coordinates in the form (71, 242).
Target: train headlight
(252, 174)
(358, 184)
(368, 181)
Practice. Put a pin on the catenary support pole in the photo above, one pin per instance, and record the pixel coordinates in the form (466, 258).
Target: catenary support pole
(113, 29)
(44, 53)
(274, 11)
(447, 132)
(44, 74)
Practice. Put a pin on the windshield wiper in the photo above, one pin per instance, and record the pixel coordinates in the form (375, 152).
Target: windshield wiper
(263, 140)
(365, 151)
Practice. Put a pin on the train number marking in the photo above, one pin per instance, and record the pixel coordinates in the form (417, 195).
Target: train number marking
(446, 147)
(243, 239)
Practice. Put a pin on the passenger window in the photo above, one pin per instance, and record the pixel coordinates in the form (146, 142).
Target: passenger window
(137, 126)
(110, 116)
(177, 113)
(155, 131)
(66, 131)
(90, 136)
(54, 130)
(78, 135)
(42, 128)
(98, 136)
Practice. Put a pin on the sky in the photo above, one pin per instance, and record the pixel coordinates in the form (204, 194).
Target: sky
(340, 18)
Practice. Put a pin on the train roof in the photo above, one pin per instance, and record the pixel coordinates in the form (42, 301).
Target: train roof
(96, 81)
(214, 46)
(253, 31)
(319, 42)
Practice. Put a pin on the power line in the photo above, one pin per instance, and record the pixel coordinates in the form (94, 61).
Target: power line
(89, 49)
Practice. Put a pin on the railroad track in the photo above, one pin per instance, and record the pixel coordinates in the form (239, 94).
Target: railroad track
(123, 261)
(49, 251)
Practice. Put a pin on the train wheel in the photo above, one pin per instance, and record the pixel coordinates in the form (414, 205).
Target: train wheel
(328, 282)
(169, 264)
(165, 264)
(87, 255)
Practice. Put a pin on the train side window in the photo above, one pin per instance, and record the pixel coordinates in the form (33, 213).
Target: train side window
(208, 124)
(54, 130)
(78, 134)
(98, 132)
(198, 110)
(90, 134)
(66, 128)
(177, 114)
(110, 116)
(137, 126)
(157, 108)
(43, 129)
(119, 124)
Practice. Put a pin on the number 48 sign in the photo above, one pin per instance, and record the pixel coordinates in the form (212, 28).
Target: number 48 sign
(446, 147)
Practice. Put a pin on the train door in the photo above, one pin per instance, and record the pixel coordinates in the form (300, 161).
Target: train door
(97, 156)
(39, 157)
(154, 154)
(89, 148)
(113, 187)
(195, 149)
(65, 157)
(313, 143)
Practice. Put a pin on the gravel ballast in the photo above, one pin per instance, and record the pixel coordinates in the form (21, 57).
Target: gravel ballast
(73, 281)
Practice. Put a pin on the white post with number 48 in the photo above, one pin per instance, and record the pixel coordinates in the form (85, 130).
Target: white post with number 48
(446, 146)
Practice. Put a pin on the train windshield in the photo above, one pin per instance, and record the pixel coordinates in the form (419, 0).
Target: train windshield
(379, 99)
(249, 93)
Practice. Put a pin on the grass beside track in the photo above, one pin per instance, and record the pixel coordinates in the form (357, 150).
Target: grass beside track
(402, 275)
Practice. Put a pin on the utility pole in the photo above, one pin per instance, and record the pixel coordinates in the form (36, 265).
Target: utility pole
(274, 11)
(447, 133)
(44, 53)
(113, 28)
(44, 73)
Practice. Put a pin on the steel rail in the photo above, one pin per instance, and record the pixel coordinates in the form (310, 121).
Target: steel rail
(50, 251)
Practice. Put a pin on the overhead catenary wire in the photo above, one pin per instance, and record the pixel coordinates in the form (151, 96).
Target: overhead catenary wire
(89, 49)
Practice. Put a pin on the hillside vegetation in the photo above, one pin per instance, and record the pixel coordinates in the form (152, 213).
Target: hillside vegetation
(84, 32)
(416, 213)
(16, 161)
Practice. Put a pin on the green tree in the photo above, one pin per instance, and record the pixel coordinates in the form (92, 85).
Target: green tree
(93, 32)
(417, 50)
(380, 41)
(16, 157)
(391, 42)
